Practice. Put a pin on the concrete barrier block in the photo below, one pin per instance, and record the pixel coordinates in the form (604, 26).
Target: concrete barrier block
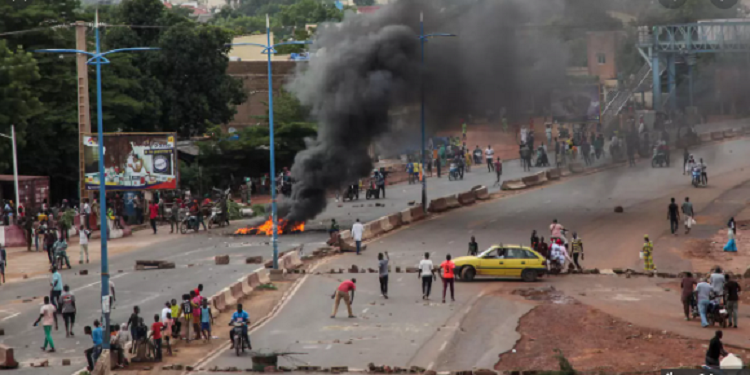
(406, 216)
(417, 213)
(345, 234)
(254, 260)
(395, 220)
(542, 176)
(7, 359)
(728, 133)
(219, 302)
(221, 259)
(513, 185)
(254, 279)
(236, 289)
(263, 276)
(576, 167)
(705, 137)
(372, 230)
(385, 224)
(438, 205)
(246, 287)
(481, 193)
(452, 201)
(229, 299)
(717, 136)
(466, 198)
(530, 180)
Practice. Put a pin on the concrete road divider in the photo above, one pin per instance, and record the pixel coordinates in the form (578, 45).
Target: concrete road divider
(542, 177)
(746, 130)
(218, 302)
(417, 213)
(246, 287)
(229, 299)
(406, 216)
(438, 205)
(717, 136)
(481, 193)
(254, 278)
(466, 198)
(395, 220)
(385, 224)
(576, 167)
(452, 201)
(513, 185)
(553, 174)
(728, 133)
(7, 359)
(705, 137)
(264, 275)
(530, 180)
(372, 229)
(237, 291)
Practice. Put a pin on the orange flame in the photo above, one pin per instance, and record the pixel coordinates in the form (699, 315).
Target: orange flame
(266, 228)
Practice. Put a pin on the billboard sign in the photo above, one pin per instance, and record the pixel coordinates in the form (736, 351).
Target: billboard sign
(132, 161)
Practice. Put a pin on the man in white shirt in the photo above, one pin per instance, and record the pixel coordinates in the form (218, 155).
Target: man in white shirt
(427, 274)
(357, 230)
(86, 213)
(489, 154)
(83, 240)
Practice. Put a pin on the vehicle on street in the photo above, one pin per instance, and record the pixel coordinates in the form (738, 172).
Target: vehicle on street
(659, 159)
(502, 261)
(189, 223)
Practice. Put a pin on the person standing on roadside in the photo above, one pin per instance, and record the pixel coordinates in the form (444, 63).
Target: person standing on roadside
(473, 247)
(68, 309)
(687, 210)
(86, 213)
(206, 321)
(673, 215)
(446, 273)
(687, 285)
(733, 290)
(648, 255)
(49, 243)
(703, 294)
(3, 261)
(174, 218)
(357, 230)
(165, 311)
(153, 213)
(577, 247)
(156, 329)
(83, 240)
(489, 154)
(498, 170)
(176, 311)
(427, 274)
(342, 293)
(383, 272)
(47, 315)
(133, 325)
(57, 287)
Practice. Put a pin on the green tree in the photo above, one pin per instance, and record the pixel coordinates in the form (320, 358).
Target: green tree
(18, 97)
(304, 12)
(196, 91)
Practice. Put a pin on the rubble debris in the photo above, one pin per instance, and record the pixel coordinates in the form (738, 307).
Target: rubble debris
(619, 209)
(83, 272)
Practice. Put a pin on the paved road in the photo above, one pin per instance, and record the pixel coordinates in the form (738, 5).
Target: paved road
(147, 289)
(404, 330)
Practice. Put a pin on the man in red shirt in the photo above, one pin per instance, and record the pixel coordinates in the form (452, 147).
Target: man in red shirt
(446, 270)
(156, 329)
(153, 213)
(342, 292)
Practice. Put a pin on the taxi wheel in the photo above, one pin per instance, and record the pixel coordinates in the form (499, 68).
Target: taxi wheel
(528, 275)
(468, 273)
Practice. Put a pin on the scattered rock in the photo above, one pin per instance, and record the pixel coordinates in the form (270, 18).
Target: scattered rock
(221, 259)
(25, 276)
(411, 203)
(398, 269)
(412, 269)
(66, 362)
(83, 272)
(619, 209)
(354, 269)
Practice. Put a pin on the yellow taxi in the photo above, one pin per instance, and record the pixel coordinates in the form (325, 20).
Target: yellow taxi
(502, 261)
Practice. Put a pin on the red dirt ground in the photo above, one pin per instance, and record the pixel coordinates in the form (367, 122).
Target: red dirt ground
(593, 340)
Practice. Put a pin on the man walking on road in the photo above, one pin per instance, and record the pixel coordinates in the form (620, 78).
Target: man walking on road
(357, 230)
(717, 281)
(733, 290)
(383, 272)
(427, 274)
(687, 210)
(703, 294)
(83, 241)
(648, 255)
(687, 285)
(153, 213)
(57, 286)
(342, 292)
(498, 170)
(3, 262)
(673, 215)
(446, 270)
(489, 154)
(577, 246)
(48, 316)
(715, 351)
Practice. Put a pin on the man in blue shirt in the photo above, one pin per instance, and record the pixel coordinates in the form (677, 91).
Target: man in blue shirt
(97, 336)
(240, 316)
(57, 287)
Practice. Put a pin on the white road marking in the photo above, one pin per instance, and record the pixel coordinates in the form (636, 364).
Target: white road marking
(429, 367)
(329, 347)
(442, 347)
(365, 310)
(10, 317)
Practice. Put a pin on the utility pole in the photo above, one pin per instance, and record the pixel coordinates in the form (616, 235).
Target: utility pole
(84, 111)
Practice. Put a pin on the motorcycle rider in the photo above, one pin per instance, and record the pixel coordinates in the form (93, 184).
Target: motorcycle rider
(240, 316)
(690, 164)
(478, 155)
(60, 251)
(704, 175)
(556, 232)
(379, 181)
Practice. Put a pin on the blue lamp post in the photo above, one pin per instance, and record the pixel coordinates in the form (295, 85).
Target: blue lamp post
(269, 49)
(98, 59)
(422, 40)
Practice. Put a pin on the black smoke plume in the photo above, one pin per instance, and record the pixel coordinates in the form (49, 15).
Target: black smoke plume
(369, 66)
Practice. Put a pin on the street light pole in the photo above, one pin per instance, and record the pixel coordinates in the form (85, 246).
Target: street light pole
(269, 49)
(422, 39)
(12, 137)
(98, 59)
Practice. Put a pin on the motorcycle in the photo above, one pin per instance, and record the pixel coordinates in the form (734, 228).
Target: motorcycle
(61, 256)
(454, 174)
(216, 218)
(239, 338)
(697, 180)
(190, 222)
(352, 192)
(716, 313)
(659, 158)
(372, 190)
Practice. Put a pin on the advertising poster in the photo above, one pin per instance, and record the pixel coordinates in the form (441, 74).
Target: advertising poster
(132, 161)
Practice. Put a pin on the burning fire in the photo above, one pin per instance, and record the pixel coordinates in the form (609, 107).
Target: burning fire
(266, 228)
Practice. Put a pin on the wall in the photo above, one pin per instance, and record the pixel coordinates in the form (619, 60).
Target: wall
(254, 76)
(250, 53)
(606, 43)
